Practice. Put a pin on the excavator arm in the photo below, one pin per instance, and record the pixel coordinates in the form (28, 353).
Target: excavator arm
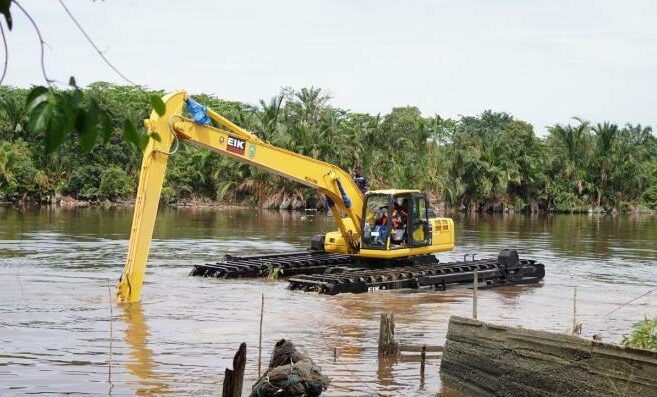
(174, 128)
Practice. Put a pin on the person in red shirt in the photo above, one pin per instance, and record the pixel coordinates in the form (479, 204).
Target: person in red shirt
(399, 219)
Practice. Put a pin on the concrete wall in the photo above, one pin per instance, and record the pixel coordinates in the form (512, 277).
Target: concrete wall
(492, 360)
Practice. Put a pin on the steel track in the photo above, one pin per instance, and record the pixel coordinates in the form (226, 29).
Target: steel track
(438, 276)
(295, 263)
(328, 273)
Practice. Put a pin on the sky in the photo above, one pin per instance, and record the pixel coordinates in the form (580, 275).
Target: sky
(543, 61)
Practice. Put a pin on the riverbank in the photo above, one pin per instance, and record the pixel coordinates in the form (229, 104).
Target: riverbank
(69, 202)
(289, 204)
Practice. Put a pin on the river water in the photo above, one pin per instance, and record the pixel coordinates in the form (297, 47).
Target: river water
(58, 269)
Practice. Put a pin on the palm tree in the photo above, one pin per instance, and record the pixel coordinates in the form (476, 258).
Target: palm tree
(635, 166)
(267, 117)
(574, 144)
(312, 100)
(606, 135)
(13, 112)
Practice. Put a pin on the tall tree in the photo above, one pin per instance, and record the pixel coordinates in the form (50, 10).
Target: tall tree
(605, 154)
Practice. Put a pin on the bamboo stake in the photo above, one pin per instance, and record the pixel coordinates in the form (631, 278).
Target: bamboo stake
(474, 295)
(262, 309)
(423, 357)
(575, 310)
(109, 366)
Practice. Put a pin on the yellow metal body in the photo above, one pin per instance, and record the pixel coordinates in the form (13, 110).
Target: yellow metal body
(442, 238)
(244, 146)
(151, 178)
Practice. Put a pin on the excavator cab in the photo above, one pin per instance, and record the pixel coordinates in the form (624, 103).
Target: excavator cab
(396, 223)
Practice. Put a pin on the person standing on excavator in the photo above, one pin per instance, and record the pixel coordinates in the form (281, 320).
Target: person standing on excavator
(360, 179)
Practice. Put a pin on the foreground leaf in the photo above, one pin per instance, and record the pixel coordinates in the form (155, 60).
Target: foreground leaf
(4, 10)
(52, 119)
(105, 125)
(35, 97)
(155, 136)
(88, 126)
(133, 136)
(158, 105)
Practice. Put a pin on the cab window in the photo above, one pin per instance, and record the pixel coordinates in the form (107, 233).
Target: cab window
(376, 225)
(420, 230)
(399, 218)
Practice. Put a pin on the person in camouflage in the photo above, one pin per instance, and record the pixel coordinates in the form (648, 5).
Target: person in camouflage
(290, 374)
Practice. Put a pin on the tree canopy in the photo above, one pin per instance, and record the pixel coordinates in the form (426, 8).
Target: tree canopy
(486, 162)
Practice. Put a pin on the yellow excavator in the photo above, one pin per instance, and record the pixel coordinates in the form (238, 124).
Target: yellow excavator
(391, 229)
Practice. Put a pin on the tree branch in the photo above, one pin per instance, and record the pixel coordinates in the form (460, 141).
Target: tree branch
(41, 43)
(4, 43)
(75, 21)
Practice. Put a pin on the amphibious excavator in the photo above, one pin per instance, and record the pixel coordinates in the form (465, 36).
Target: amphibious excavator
(385, 238)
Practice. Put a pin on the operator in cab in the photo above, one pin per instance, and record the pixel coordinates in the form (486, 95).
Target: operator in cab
(359, 179)
(399, 221)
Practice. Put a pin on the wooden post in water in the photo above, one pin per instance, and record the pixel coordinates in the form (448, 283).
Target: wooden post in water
(262, 309)
(423, 357)
(576, 328)
(474, 294)
(234, 378)
(387, 344)
(574, 309)
(335, 354)
(111, 329)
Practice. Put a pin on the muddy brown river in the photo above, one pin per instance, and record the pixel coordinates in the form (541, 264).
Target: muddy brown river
(57, 312)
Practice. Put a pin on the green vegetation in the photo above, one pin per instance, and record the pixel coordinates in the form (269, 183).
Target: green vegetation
(274, 273)
(488, 162)
(644, 335)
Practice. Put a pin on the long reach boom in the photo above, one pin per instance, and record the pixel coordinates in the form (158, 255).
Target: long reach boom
(174, 127)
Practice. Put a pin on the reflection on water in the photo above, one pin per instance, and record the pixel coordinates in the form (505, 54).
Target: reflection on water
(141, 363)
(54, 304)
(384, 373)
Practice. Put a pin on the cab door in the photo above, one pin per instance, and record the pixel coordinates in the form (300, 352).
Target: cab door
(419, 226)
(376, 221)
